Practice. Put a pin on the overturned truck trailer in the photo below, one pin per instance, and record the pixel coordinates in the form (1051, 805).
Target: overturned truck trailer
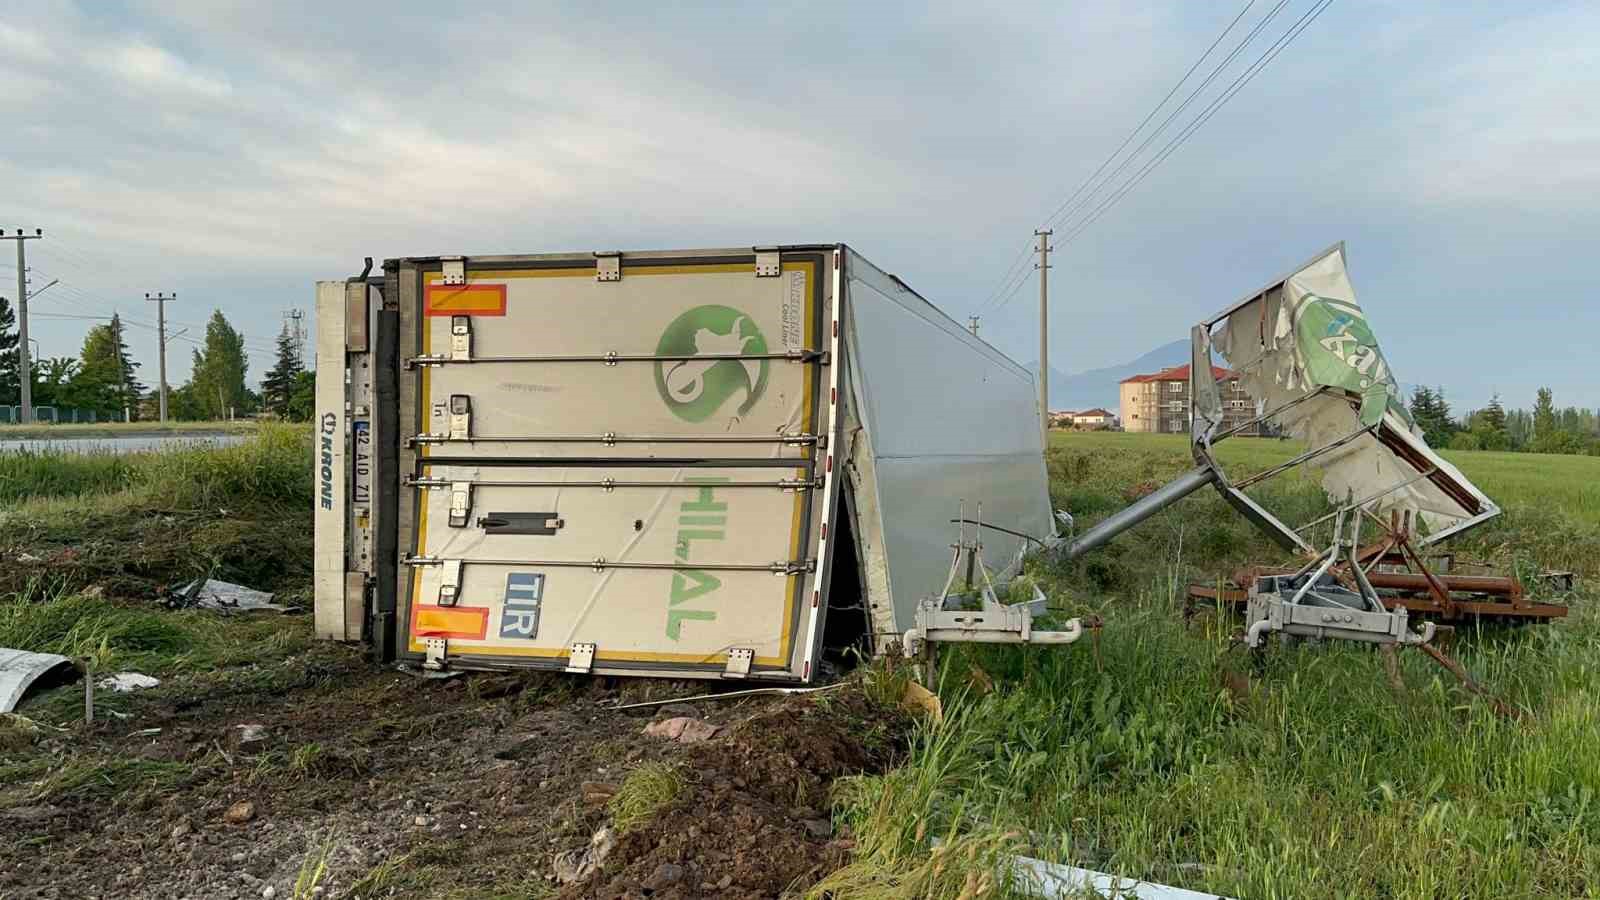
(709, 463)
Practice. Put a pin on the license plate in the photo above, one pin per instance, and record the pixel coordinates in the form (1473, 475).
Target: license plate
(361, 452)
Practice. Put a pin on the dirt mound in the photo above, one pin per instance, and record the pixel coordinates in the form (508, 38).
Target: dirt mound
(753, 819)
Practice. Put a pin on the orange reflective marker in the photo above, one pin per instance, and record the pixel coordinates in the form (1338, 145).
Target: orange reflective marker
(463, 622)
(464, 300)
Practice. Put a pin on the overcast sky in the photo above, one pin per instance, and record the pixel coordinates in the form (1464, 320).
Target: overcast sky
(235, 152)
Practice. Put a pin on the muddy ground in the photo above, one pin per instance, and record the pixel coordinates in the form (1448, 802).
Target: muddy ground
(366, 782)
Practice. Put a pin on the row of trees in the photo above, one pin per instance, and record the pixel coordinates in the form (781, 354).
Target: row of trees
(103, 378)
(1543, 429)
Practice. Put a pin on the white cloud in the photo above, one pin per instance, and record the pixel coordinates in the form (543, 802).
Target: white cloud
(149, 67)
(21, 45)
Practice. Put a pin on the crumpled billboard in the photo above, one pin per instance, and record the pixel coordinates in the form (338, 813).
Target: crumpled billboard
(1305, 350)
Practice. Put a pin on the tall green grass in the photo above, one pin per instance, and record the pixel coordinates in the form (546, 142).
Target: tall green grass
(273, 466)
(1168, 753)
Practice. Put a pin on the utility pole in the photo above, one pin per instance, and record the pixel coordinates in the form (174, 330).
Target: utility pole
(160, 300)
(1044, 334)
(972, 325)
(24, 368)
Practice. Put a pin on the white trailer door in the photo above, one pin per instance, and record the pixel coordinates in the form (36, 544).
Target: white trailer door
(617, 457)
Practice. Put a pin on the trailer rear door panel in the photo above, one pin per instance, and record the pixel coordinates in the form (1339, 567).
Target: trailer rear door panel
(634, 464)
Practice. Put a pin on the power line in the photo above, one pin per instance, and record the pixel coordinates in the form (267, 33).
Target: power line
(1157, 108)
(1011, 270)
(1160, 129)
(1244, 78)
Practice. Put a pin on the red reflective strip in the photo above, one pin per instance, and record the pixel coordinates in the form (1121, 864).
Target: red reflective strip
(824, 530)
(807, 675)
(830, 463)
(815, 597)
(833, 396)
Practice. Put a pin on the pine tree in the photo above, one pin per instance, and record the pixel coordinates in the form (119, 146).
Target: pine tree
(1421, 404)
(1494, 415)
(216, 384)
(1489, 425)
(1441, 409)
(278, 387)
(1544, 413)
(105, 380)
(1431, 412)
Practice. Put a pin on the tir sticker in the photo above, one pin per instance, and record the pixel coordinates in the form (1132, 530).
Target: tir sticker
(524, 593)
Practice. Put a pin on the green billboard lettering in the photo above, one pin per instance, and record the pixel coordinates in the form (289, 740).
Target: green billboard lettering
(695, 389)
(1340, 351)
(702, 509)
(676, 618)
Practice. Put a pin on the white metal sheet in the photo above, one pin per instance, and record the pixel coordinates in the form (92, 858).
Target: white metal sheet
(519, 605)
(950, 423)
(19, 669)
(330, 518)
(1306, 337)
(651, 311)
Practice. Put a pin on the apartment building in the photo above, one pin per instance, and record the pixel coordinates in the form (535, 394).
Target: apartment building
(1159, 402)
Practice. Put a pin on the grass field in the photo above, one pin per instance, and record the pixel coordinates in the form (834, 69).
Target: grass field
(1570, 484)
(90, 539)
(1158, 750)
(1165, 753)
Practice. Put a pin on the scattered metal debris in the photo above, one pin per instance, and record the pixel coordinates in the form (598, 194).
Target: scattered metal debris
(19, 670)
(1314, 603)
(428, 674)
(1045, 879)
(126, 682)
(1403, 579)
(223, 596)
(575, 865)
(732, 695)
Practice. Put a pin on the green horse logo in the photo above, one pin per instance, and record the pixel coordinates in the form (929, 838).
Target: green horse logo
(695, 389)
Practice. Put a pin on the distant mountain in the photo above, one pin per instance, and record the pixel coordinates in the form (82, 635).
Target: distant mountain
(1098, 387)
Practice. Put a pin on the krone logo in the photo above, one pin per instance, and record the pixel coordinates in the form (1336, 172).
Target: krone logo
(695, 389)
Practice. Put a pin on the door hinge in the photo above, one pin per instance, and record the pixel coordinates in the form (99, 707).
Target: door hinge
(581, 659)
(460, 503)
(739, 659)
(607, 265)
(450, 582)
(460, 337)
(769, 262)
(455, 269)
(435, 649)
(460, 417)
